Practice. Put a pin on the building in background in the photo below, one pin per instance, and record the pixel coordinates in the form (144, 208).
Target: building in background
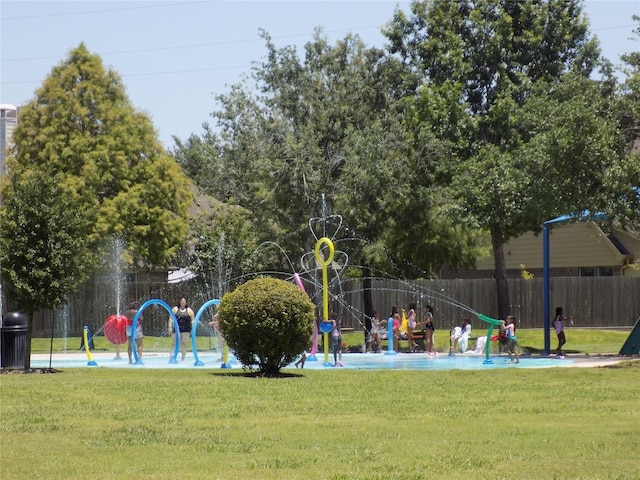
(8, 122)
(580, 249)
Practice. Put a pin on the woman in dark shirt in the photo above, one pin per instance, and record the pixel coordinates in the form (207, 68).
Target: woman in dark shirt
(428, 328)
(185, 317)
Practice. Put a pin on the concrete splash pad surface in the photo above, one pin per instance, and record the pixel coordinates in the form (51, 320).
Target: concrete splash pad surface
(357, 361)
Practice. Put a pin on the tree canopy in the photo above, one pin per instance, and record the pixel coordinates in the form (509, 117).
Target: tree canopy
(330, 123)
(508, 87)
(481, 116)
(106, 173)
(624, 183)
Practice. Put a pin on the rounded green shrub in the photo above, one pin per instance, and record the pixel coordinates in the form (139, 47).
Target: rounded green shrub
(267, 323)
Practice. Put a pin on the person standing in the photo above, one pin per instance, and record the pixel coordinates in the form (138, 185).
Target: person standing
(393, 329)
(376, 341)
(136, 336)
(215, 324)
(396, 322)
(558, 325)
(336, 340)
(510, 330)
(186, 317)
(428, 328)
(411, 325)
(302, 359)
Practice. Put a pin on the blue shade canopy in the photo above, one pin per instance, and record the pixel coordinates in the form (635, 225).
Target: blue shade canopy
(586, 214)
(583, 215)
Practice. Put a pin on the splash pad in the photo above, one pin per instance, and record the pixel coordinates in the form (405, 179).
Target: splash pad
(352, 361)
(331, 262)
(324, 258)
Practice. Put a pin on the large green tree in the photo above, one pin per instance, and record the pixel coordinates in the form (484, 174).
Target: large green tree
(629, 96)
(507, 85)
(106, 173)
(329, 125)
(43, 240)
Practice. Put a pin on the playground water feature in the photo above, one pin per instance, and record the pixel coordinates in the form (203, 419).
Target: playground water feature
(324, 255)
(364, 361)
(351, 361)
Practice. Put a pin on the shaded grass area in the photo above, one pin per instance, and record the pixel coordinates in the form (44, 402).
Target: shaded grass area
(105, 423)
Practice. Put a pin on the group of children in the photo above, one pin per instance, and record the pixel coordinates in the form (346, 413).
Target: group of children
(510, 340)
(402, 327)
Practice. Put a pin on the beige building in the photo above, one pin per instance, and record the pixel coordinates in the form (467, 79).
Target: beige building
(8, 122)
(578, 249)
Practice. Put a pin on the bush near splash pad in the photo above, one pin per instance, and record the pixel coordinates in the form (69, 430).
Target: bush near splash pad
(267, 323)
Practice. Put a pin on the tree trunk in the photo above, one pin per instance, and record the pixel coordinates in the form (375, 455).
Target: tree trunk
(504, 304)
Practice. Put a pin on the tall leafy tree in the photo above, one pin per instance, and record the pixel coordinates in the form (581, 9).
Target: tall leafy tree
(507, 85)
(625, 196)
(629, 96)
(328, 125)
(43, 241)
(106, 173)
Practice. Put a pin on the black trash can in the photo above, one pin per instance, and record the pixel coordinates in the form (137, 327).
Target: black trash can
(14, 341)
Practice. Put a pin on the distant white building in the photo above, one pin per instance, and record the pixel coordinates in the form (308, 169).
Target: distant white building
(8, 122)
(180, 275)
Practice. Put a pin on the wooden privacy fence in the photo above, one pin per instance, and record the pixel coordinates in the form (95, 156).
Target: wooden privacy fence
(592, 301)
(99, 298)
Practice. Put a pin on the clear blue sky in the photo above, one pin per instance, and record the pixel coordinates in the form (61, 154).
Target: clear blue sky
(175, 56)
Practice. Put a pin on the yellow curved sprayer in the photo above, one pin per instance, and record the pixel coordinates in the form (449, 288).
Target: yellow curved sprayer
(85, 336)
(225, 356)
(325, 326)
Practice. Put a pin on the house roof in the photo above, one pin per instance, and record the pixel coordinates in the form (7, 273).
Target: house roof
(580, 244)
(631, 241)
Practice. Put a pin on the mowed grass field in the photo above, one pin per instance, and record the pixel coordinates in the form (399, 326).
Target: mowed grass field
(557, 423)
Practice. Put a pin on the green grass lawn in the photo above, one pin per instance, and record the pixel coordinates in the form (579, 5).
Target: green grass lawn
(560, 423)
